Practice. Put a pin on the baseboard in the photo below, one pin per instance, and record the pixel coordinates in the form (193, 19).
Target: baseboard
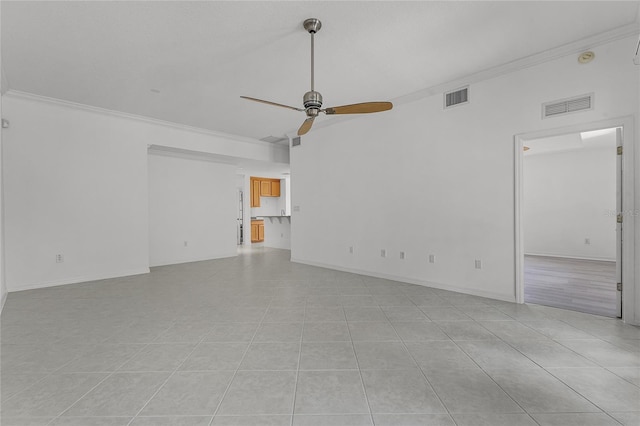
(80, 279)
(431, 284)
(168, 262)
(288, 247)
(563, 256)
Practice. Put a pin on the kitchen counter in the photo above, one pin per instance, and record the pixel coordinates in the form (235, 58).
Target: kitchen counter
(271, 218)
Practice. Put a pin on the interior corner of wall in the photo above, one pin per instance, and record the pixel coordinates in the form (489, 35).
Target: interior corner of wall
(3, 298)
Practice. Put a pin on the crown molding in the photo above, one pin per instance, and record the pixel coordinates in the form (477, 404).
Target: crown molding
(572, 48)
(526, 62)
(17, 94)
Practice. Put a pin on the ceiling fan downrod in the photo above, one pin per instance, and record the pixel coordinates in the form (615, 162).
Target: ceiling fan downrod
(312, 100)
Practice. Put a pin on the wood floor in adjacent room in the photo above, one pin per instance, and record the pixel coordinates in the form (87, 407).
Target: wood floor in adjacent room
(580, 285)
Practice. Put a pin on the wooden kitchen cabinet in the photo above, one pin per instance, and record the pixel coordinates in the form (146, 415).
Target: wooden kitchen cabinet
(255, 192)
(275, 187)
(257, 231)
(263, 187)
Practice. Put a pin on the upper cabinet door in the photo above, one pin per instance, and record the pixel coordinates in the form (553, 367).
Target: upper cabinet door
(265, 188)
(275, 188)
(255, 193)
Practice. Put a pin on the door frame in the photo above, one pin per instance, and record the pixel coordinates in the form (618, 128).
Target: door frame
(628, 203)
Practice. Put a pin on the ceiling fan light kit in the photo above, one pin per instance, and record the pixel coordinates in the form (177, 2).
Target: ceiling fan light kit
(312, 100)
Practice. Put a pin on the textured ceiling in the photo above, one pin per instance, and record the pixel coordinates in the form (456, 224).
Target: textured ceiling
(188, 62)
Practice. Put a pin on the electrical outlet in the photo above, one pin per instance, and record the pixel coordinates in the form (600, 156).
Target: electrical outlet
(401, 255)
(350, 249)
(296, 208)
(587, 241)
(59, 258)
(282, 235)
(478, 264)
(186, 243)
(383, 253)
(432, 258)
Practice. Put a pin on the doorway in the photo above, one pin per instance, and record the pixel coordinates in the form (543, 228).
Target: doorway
(569, 221)
(570, 205)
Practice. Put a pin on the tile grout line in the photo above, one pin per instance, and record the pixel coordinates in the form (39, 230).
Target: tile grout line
(111, 373)
(364, 388)
(534, 362)
(483, 370)
(404, 345)
(295, 385)
(224, 394)
(48, 374)
(165, 382)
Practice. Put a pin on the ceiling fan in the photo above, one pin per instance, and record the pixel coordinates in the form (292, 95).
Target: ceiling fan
(312, 100)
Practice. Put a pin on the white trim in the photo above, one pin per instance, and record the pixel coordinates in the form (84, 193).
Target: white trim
(431, 284)
(195, 259)
(80, 279)
(516, 65)
(16, 94)
(564, 256)
(629, 314)
(526, 62)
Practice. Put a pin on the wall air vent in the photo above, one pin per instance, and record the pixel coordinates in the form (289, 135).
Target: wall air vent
(566, 106)
(457, 97)
(295, 141)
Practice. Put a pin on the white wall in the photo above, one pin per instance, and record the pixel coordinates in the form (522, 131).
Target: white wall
(636, 213)
(191, 201)
(284, 202)
(3, 286)
(277, 233)
(568, 197)
(269, 206)
(75, 184)
(427, 181)
(75, 181)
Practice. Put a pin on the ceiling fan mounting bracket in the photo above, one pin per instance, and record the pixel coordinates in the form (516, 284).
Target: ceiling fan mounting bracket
(312, 25)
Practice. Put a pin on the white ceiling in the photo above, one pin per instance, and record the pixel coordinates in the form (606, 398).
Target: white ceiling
(201, 56)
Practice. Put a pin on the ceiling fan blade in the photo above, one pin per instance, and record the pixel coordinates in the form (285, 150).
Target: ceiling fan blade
(306, 126)
(363, 108)
(271, 103)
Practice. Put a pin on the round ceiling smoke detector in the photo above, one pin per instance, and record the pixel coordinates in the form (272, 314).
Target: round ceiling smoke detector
(586, 57)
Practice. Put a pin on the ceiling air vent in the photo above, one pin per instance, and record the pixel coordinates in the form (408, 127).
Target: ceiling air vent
(295, 141)
(457, 97)
(566, 106)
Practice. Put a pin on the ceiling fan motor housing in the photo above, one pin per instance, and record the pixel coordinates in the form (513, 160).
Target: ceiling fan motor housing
(312, 101)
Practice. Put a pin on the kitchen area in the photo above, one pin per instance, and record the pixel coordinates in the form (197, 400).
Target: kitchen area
(270, 212)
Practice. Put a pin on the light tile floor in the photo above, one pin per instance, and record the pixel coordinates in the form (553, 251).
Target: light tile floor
(257, 340)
